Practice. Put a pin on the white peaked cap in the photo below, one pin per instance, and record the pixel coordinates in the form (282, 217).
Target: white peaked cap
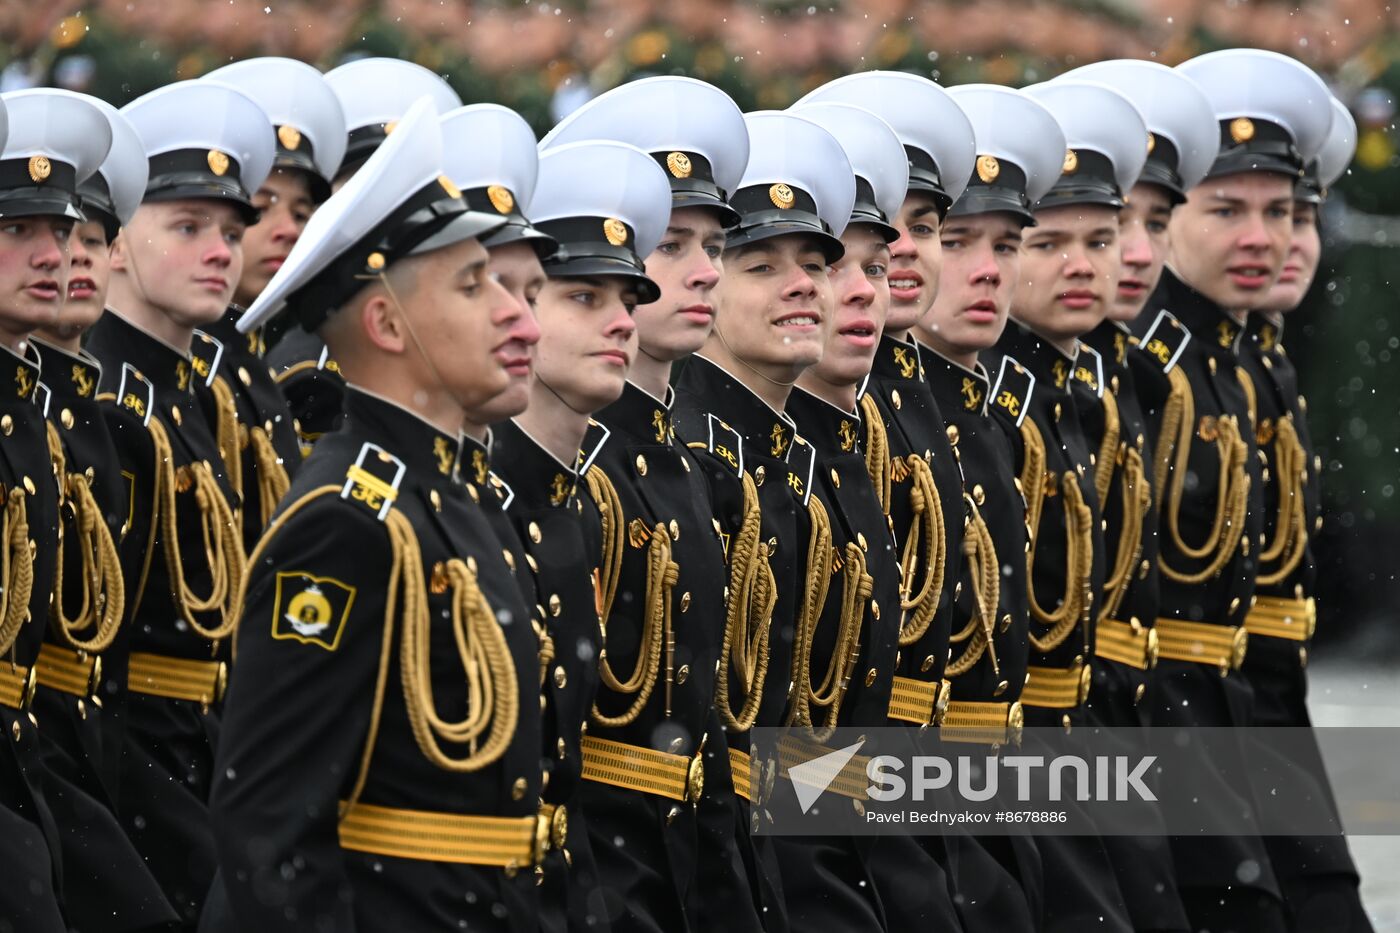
(1095, 119)
(56, 141)
(1009, 127)
(489, 152)
(877, 159)
(1340, 147)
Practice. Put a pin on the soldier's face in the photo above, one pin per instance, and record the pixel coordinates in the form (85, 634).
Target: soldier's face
(775, 306)
(87, 283)
(687, 266)
(1142, 247)
(1069, 270)
(916, 259)
(587, 339)
(183, 258)
(981, 262)
(35, 258)
(860, 283)
(1300, 266)
(1230, 238)
(285, 202)
(516, 268)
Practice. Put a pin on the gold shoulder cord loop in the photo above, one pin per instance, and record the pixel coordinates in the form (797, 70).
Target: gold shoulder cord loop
(1178, 424)
(1108, 449)
(223, 545)
(925, 547)
(273, 481)
(1074, 607)
(985, 571)
(610, 510)
(662, 575)
(1137, 499)
(1251, 397)
(16, 570)
(226, 433)
(104, 592)
(877, 450)
(748, 617)
(1290, 468)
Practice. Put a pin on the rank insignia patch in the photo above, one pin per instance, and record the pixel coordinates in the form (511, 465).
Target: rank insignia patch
(311, 609)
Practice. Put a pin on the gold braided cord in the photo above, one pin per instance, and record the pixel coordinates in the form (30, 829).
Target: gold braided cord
(926, 547)
(223, 544)
(16, 570)
(1108, 449)
(226, 433)
(748, 617)
(835, 680)
(1290, 468)
(1251, 397)
(1137, 499)
(985, 571)
(1078, 518)
(545, 653)
(273, 481)
(1178, 424)
(104, 591)
(662, 575)
(604, 495)
(877, 450)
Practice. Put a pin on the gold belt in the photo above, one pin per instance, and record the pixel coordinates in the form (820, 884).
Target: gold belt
(17, 684)
(1293, 619)
(1057, 688)
(69, 671)
(1221, 646)
(177, 678)
(850, 781)
(502, 841)
(1127, 644)
(643, 769)
(739, 766)
(983, 723)
(921, 702)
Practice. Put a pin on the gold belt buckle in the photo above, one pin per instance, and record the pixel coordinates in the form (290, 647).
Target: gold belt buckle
(559, 827)
(1153, 647)
(1015, 723)
(695, 778)
(942, 696)
(31, 686)
(1238, 647)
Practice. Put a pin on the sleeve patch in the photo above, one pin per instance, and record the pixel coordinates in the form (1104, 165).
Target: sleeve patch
(311, 609)
(1165, 340)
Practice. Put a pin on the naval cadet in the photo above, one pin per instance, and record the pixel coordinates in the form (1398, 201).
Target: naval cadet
(48, 145)
(1228, 242)
(673, 554)
(174, 268)
(374, 93)
(380, 755)
(773, 307)
(1316, 874)
(255, 427)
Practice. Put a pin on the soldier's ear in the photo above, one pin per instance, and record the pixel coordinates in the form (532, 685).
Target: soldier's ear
(118, 252)
(382, 322)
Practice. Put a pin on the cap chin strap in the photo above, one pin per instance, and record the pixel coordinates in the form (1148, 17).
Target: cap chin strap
(742, 362)
(563, 401)
(413, 335)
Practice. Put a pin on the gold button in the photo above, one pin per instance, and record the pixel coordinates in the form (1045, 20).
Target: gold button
(90, 475)
(1006, 622)
(685, 601)
(895, 400)
(979, 495)
(641, 465)
(435, 498)
(66, 417)
(1000, 688)
(476, 496)
(534, 529)
(1066, 722)
(685, 463)
(835, 478)
(1057, 411)
(7, 425)
(530, 559)
(714, 522)
(1210, 363)
(509, 558)
(471, 564)
(1317, 523)
(1139, 693)
(928, 663)
(683, 674)
(875, 610)
(860, 539)
(870, 676)
(561, 677)
(517, 789)
(952, 432)
(560, 748)
(1143, 569)
(1234, 604)
(29, 488)
(555, 607)
(1113, 384)
(176, 416)
(758, 475)
(675, 527)
(244, 377)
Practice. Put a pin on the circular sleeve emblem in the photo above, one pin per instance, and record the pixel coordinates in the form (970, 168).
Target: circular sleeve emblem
(501, 198)
(988, 168)
(615, 231)
(218, 162)
(781, 196)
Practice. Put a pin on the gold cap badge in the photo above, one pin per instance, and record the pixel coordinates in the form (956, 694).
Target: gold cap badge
(289, 136)
(1242, 129)
(781, 196)
(615, 231)
(375, 261)
(218, 162)
(501, 198)
(389, 127)
(452, 190)
(988, 168)
(39, 169)
(679, 164)
(1151, 142)
(1071, 162)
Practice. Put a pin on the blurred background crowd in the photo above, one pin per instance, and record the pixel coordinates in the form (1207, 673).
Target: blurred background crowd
(546, 58)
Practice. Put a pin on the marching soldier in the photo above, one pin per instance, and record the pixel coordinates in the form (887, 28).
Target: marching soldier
(255, 429)
(825, 407)
(673, 557)
(374, 94)
(774, 310)
(380, 757)
(88, 602)
(1228, 243)
(174, 268)
(1069, 269)
(48, 145)
(1019, 152)
(1316, 874)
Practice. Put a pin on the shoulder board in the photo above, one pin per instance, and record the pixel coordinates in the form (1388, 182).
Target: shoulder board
(725, 443)
(593, 441)
(1165, 340)
(1013, 390)
(135, 394)
(42, 397)
(802, 465)
(1088, 368)
(206, 353)
(374, 480)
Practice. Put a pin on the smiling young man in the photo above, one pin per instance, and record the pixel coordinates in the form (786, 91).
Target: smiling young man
(256, 432)
(674, 867)
(1316, 874)
(174, 267)
(774, 312)
(1228, 244)
(379, 569)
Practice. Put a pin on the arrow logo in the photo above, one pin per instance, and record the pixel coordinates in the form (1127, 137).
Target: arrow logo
(810, 778)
